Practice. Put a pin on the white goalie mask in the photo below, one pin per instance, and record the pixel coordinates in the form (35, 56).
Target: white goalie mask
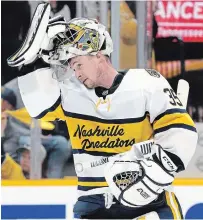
(82, 37)
(136, 182)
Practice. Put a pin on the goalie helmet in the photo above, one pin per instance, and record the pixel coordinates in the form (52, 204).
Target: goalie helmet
(82, 37)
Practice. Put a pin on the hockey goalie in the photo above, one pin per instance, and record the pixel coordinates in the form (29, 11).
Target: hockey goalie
(112, 118)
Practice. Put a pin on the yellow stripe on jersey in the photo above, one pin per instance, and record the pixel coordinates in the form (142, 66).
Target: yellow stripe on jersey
(176, 206)
(87, 183)
(175, 118)
(171, 201)
(141, 218)
(92, 184)
(111, 136)
(53, 115)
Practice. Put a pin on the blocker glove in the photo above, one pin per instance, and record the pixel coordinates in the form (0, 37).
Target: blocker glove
(39, 41)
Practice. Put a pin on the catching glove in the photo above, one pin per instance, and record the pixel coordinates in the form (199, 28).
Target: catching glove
(136, 181)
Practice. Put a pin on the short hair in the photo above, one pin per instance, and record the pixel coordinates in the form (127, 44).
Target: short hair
(8, 95)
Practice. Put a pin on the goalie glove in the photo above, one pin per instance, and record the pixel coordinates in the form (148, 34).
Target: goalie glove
(136, 181)
(156, 153)
(162, 158)
(40, 37)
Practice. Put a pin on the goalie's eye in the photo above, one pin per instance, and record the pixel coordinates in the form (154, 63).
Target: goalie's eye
(77, 66)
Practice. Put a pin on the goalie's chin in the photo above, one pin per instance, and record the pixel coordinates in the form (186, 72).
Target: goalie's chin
(89, 84)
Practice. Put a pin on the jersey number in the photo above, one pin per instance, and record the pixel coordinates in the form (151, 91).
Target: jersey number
(174, 98)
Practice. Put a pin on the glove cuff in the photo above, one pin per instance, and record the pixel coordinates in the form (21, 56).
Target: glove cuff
(162, 158)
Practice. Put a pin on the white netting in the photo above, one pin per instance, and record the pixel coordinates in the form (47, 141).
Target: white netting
(124, 179)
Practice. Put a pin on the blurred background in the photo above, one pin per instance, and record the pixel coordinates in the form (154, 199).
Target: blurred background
(163, 35)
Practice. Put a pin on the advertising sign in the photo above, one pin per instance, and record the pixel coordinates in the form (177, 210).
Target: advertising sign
(182, 19)
(56, 202)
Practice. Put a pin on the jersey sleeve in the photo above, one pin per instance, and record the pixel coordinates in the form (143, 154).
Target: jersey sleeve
(40, 93)
(173, 127)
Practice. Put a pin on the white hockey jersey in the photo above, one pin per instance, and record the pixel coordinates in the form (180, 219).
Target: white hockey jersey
(142, 107)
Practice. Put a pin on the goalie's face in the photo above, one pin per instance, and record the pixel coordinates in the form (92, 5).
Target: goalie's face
(86, 69)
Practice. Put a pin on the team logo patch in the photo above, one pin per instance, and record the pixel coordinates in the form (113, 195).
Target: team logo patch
(153, 73)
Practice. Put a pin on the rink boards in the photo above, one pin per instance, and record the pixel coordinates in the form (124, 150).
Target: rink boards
(54, 199)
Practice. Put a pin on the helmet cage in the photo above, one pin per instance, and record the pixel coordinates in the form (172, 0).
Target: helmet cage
(81, 38)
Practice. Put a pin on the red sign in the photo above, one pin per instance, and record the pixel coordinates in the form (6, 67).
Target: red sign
(182, 19)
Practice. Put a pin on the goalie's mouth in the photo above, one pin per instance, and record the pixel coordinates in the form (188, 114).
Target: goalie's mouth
(84, 81)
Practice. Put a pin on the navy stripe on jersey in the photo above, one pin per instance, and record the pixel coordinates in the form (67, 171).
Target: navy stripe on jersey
(184, 126)
(91, 179)
(170, 111)
(86, 188)
(51, 109)
(93, 153)
(106, 121)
